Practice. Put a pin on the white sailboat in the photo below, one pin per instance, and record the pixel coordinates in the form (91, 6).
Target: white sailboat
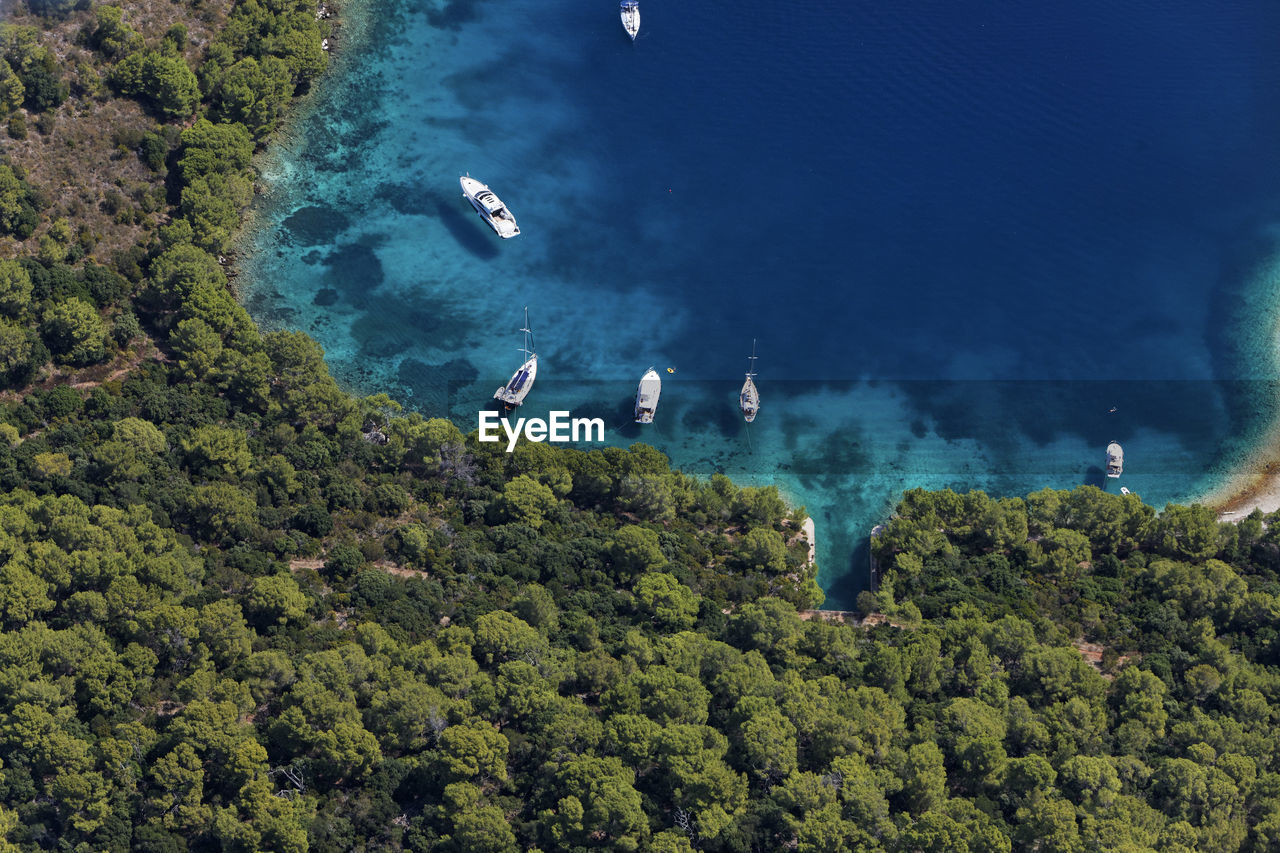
(513, 393)
(631, 17)
(749, 397)
(647, 396)
(489, 206)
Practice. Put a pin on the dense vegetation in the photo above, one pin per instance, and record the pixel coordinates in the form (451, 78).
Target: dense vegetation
(79, 298)
(242, 610)
(576, 650)
(1173, 747)
(477, 623)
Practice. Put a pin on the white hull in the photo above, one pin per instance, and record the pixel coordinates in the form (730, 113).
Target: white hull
(490, 207)
(513, 393)
(521, 383)
(631, 20)
(1115, 460)
(749, 396)
(647, 396)
(749, 400)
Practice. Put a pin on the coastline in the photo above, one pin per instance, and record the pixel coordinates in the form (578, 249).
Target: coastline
(356, 22)
(1254, 484)
(352, 25)
(391, 631)
(275, 168)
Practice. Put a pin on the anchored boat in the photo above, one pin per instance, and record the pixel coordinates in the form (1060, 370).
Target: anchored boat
(513, 393)
(647, 396)
(490, 207)
(749, 397)
(1115, 459)
(631, 17)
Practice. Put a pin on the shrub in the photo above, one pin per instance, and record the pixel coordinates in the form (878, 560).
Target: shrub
(165, 82)
(112, 35)
(74, 332)
(55, 8)
(125, 327)
(52, 464)
(343, 562)
(61, 402)
(312, 519)
(153, 150)
(45, 90)
(12, 92)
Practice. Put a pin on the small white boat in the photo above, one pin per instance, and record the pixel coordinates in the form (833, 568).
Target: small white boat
(631, 17)
(513, 393)
(647, 396)
(490, 207)
(1123, 490)
(749, 397)
(1115, 460)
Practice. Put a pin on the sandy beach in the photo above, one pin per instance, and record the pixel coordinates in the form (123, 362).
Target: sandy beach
(1256, 483)
(1259, 488)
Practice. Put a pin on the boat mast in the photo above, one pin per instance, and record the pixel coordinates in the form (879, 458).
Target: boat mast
(528, 335)
(742, 402)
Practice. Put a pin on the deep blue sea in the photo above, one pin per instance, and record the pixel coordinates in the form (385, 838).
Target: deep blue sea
(960, 233)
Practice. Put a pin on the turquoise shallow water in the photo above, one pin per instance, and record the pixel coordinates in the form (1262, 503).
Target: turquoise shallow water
(960, 234)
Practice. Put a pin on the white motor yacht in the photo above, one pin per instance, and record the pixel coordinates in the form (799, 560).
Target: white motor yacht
(489, 206)
(647, 396)
(1115, 460)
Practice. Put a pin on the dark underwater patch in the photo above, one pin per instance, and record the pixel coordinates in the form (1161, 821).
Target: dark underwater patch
(710, 409)
(394, 326)
(414, 199)
(438, 322)
(315, 225)
(435, 387)
(452, 14)
(833, 458)
(326, 297)
(382, 336)
(355, 271)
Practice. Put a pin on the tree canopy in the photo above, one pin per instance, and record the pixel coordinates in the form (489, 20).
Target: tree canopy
(241, 609)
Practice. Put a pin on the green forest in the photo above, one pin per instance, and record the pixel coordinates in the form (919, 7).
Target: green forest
(244, 610)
